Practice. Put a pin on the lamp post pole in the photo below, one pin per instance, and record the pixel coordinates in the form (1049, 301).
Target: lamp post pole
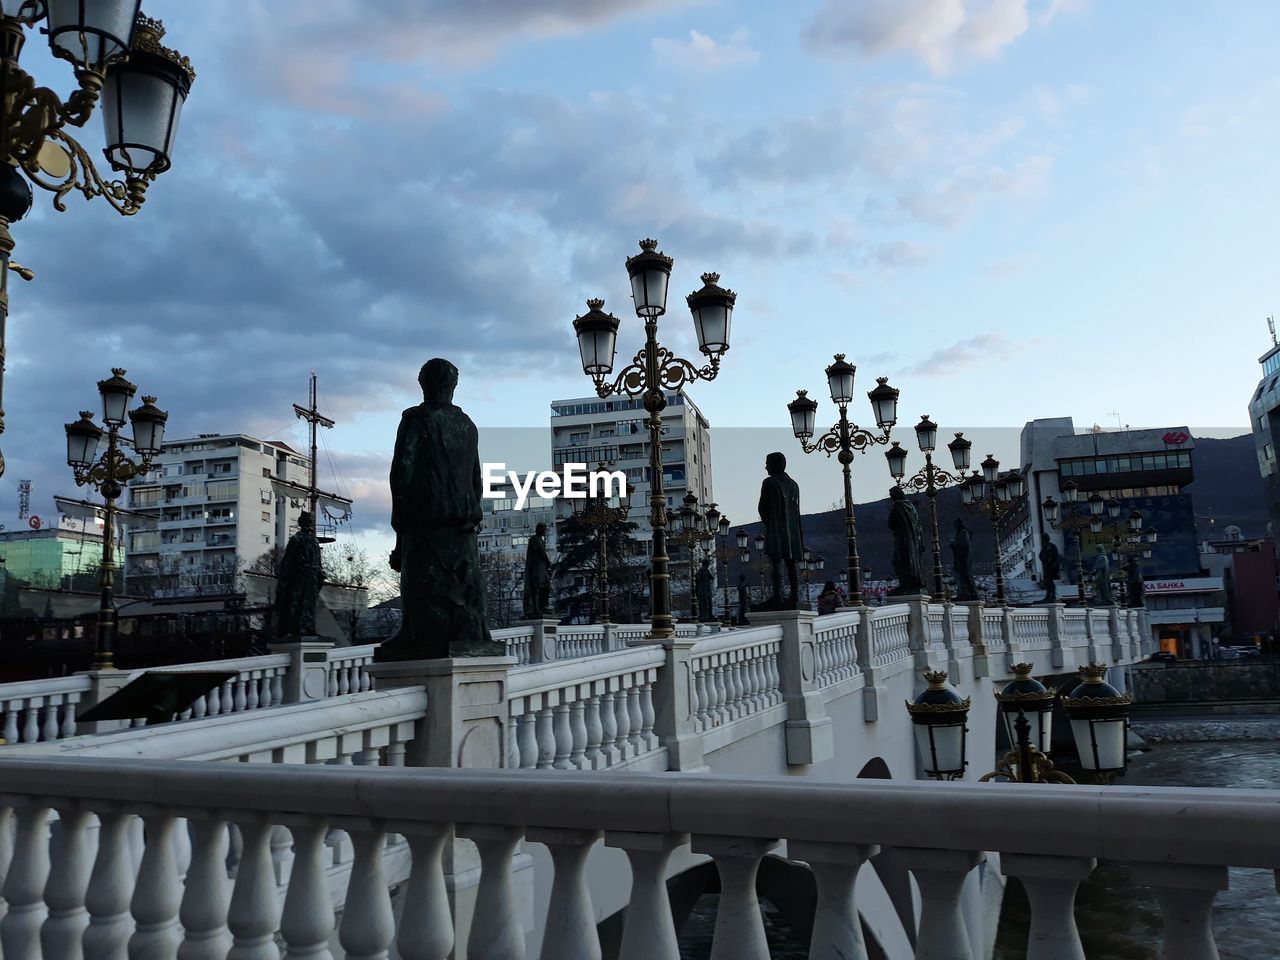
(845, 439)
(602, 516)
(997, 497)
(930, 479)
(654, 370)
(695, 530)
(107, 474)
(117, 57)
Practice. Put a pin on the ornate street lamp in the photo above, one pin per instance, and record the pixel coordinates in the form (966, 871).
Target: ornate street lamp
(998, 497)
(1077, 516)
(602, 515)
(930, 479)
(696, 530)
(107, 474)
(653, 370)
(1027, 695)
(1099, 715)
(845, 439)
(938, 714)
(723, 556)
(117, 56)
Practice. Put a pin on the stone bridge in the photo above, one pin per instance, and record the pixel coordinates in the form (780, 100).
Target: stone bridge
(728, 727)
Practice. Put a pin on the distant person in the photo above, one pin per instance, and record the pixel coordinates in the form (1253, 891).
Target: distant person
(828, 599)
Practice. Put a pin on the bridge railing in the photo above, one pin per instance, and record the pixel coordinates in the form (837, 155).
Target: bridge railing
(1178, 842)
(32, 710)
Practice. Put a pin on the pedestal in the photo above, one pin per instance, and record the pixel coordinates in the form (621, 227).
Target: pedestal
(466, 720)
(542, 644)
(308, 674)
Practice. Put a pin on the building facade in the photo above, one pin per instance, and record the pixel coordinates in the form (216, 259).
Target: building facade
(1264, 416)
(216, 502)
(46, 557)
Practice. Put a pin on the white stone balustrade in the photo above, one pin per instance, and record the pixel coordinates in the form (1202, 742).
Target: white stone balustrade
(584, 714)
(33, 710)
(1179, 841)
(735, 674)
(1031, 628)
(835, 643)
(890, 635)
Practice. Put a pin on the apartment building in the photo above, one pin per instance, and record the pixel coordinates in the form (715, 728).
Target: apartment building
(217, 502)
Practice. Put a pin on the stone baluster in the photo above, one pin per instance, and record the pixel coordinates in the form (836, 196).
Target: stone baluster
(528, 736)
(277, 686)
(331, 687)
(110, 889)
(71, 852)
(31, 720)
(609, 726)
(281, 845)
(722, 692)
(426, 923)
(157, 894)
(739, 931)
(940, 874)
(6, 856)
(500, 935)
(700, 694)
(546, 736)
(637, 720)
(1185, 893)
(563, 736)
(24, 884)
(623, 716)
(306, 923)
(578, 735)
(239, 699)
(251, 691)
(837, 931)
(595, 732)
(49, 729)
(648, 931)
(200, 707)
(368, 925)
(648, 716)
(10, 734)
(203, 913)
(255, 905)
(1050, 883)
(732, 690)
(571, 921)
(213, 701)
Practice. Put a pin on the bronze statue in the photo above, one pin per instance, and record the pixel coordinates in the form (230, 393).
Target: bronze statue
(908, 544)
(435, 511)
(1102, 579)
(706, 607)
(298, 583)
(783, 544)
(1133, 583)
(537, 575)
(1051, 569)
(966, 589)
(744, 597)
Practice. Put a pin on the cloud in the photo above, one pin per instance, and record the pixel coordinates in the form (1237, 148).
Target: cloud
(961, 356)
(701, 54)
(937, 31)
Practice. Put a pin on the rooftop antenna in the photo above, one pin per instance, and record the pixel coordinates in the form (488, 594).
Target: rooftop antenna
(1271, 325)
(1120, 425)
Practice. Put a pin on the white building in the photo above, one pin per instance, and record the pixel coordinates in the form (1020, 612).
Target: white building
(593, 431)
(219, 501)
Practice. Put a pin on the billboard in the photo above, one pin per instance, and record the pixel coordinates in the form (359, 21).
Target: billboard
(1175, 554)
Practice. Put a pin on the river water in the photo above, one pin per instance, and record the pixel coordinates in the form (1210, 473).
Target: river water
(1121, 921)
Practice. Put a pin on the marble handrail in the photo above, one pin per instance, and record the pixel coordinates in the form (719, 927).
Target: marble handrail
(1178, 841)
(32, 710)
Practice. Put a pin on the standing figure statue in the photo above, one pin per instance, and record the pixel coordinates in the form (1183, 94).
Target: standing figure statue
(783, 544)
(706, 589)
(1103, 596)
(298, 587)
(1050, 569)
(537, 575)
(744, 598)
(1133, 583)
(435, 511)
(908, 544)
(966, 589)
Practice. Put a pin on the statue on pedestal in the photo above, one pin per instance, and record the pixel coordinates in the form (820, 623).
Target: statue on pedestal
(1103, 596)
(706, 608)
(298, 583)
(744, 598)
(1134, 587)
(961, 540)
(908, 545)
(783, 544)
(537, 575)
(1050, 569)
(435, 511)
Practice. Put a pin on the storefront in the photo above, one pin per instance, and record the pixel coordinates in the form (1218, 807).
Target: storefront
(1186, 614)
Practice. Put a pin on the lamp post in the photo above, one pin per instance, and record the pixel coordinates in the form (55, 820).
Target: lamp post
(938, 715)
(1079, 514)
(655, 369)
(116, 56)
(997, 497)
(107, 474)
(845, 439)
(722, 565)
(930, 478)
(601, 515)
(1026, 709)
(1129, 545)
(695, 530)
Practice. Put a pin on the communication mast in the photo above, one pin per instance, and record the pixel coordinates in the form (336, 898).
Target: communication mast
(314, 419)
(24, 499)
(1271, 325)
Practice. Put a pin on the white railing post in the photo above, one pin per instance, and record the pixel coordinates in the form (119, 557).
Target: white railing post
(71, 852)
(368, 926)
(1118, 633)
(739, 931)
(571, 922)
(1061, 655)
(918, 610)
(103, 683)
(542, 644)
(837, 929)
(674, 721)
(24, 884)
(978, 638)
(648, 931)
(426, 924)
(157, 896)
(496, 931)
(1185, 893)
(875, 695)
(809, 731)
(941, 875)
(307, 677)
(110, 888)
(1050, 883)
(1012, 645)
(254, 914)
(203, 913)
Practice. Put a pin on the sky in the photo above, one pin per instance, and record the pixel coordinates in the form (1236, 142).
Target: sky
(1011, 208)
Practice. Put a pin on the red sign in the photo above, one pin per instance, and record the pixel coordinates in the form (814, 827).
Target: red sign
(1177, 437)
(34, 523)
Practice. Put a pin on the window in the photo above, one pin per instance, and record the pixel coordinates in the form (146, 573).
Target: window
(1268, 451)
(266, 516)
(266, 538)
(223, 490)
(266, 496)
